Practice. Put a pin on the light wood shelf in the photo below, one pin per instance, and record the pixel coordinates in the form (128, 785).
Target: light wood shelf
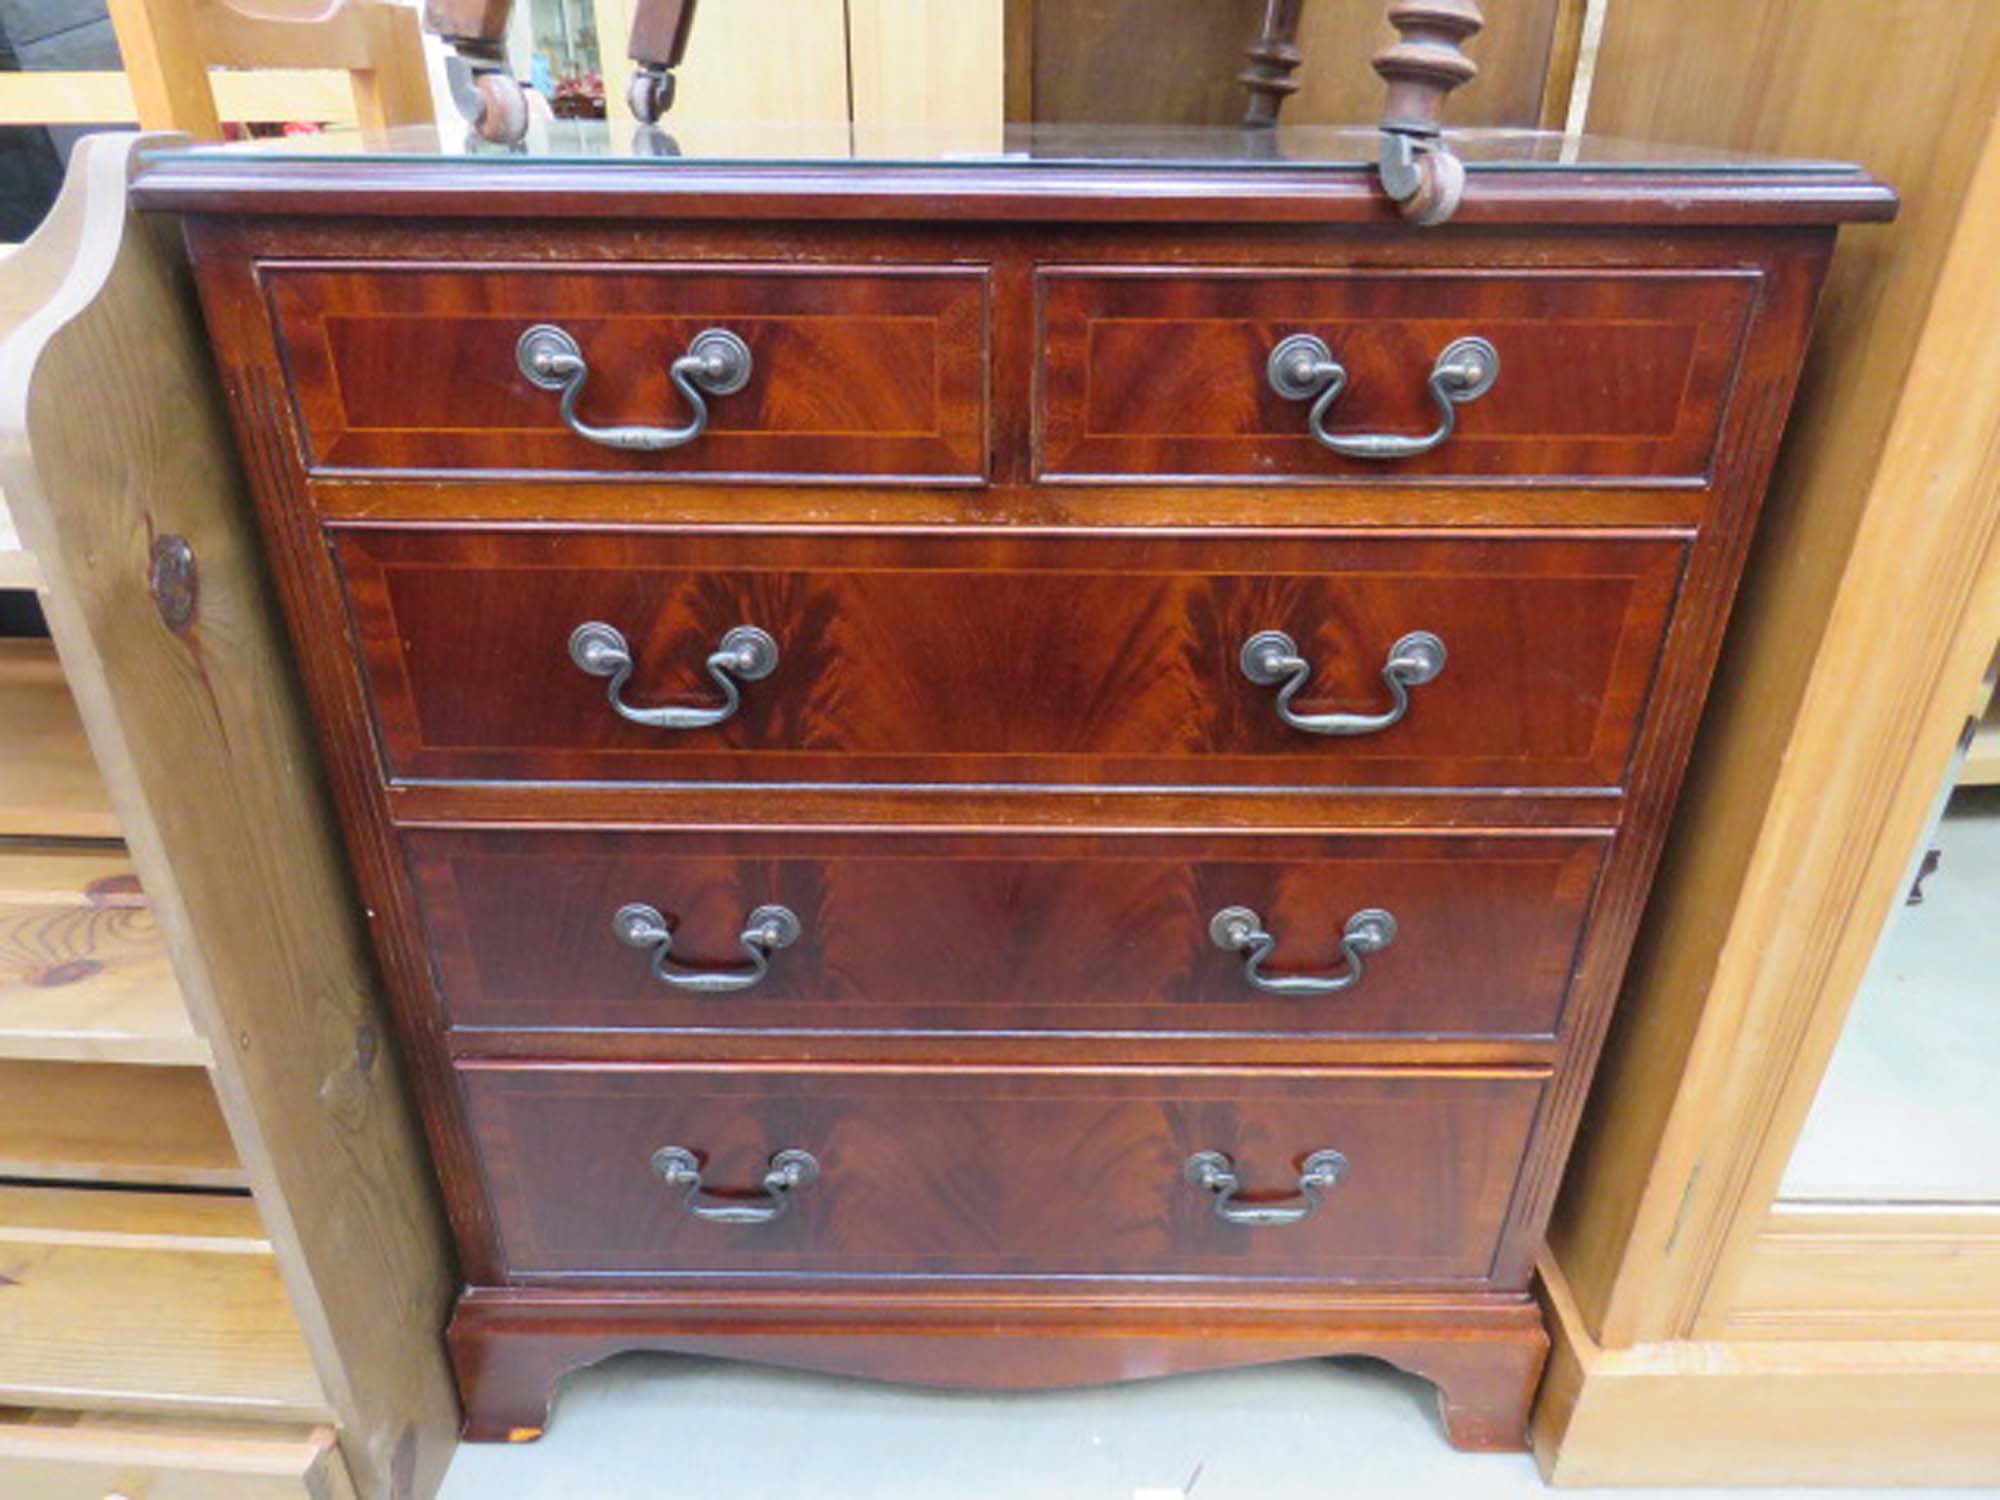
(49, 785)
(84, 973)
(160, 1302)
(105, 1123)
(69, 1455)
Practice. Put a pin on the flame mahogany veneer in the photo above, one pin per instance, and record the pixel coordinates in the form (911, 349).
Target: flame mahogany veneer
(1009, 487)
(959, 660)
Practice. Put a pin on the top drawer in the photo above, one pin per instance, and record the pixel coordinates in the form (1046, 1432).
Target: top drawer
(1167, 374)
(841, 373)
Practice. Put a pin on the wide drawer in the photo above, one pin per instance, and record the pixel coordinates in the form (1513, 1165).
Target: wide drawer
(1025, 659)
(1167, 375)
(937, 932)
(996, 1173)
(864, 372)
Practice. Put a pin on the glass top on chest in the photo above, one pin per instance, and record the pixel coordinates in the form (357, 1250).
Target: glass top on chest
(879, 148)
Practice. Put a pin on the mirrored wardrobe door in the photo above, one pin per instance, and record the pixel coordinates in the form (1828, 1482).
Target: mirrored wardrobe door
(1887, 1221)
(1909, 1110)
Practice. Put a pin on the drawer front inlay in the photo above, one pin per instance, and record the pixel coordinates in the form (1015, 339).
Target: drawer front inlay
(917, 931)
(1025, 659)
(851, 373)
(998, 1173)
(1618, 376)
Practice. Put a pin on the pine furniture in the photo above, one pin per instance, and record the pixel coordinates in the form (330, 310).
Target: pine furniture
(223, 1267)
(1855, 1339)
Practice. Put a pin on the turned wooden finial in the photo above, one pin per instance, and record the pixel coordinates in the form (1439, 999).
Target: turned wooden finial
(1425, 64)
(1422, 67)
(1273, 57)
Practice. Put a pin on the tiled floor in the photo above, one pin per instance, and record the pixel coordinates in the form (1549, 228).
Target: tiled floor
(653, 1427)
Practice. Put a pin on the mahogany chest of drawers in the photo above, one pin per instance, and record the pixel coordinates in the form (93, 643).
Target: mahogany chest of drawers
(1003, 772)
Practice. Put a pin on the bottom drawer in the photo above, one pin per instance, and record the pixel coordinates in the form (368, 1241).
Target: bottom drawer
(1066, 1172)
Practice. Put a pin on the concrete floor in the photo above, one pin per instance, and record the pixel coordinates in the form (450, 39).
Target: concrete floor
(656, 1427)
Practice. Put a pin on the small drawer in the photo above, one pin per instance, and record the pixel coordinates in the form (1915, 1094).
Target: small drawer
(996, 1173)
(915, 931)
(1171, 376)
(835, 373)
(1019, 659)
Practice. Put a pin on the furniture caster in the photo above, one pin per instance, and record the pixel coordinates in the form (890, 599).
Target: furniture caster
(659, 41)
(502, 115)
(492, 101)
(650, 94)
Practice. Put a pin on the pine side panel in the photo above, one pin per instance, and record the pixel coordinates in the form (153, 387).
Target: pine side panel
(112, 438)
